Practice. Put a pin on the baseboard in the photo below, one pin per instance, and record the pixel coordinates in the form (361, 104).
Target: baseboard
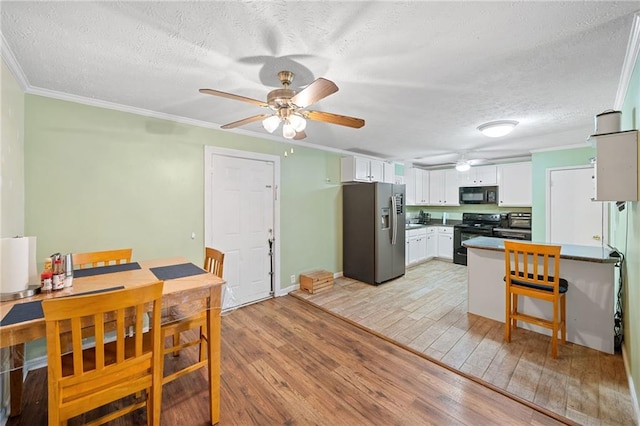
(632, 388)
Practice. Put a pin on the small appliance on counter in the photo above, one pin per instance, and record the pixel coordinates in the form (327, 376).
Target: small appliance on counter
(424, 218)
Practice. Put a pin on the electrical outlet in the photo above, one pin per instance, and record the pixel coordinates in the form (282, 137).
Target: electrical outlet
(293, 279)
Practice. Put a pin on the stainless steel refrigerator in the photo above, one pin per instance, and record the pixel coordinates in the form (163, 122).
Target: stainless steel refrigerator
(373, 221)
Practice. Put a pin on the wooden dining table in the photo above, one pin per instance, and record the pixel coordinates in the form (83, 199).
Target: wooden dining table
(185, 285)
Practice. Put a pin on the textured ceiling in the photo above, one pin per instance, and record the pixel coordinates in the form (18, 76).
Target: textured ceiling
(423, 75)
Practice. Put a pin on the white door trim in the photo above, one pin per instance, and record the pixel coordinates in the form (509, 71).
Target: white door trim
(605, 210)
(209, 151)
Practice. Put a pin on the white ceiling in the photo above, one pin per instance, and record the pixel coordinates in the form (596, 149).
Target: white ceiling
(423, 75)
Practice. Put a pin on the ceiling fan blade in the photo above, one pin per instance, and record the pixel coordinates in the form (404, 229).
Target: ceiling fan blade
(320, 88)
(300, 135)
(245, 121)
(328, 117)
(232, 96)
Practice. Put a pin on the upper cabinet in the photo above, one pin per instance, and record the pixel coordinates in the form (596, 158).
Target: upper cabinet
(416, 186)
(362, 169)
(443, 187)
(478, 176)
(616, 166)
(515, 185)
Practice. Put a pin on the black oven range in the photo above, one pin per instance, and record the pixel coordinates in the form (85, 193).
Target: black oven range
(515, 226)
(473, 225)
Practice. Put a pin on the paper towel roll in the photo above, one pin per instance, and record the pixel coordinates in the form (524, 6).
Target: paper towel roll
(15, 265)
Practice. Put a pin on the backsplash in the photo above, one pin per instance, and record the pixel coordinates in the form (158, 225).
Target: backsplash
(455, 212)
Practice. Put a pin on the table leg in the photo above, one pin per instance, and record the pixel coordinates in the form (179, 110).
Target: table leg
(213, 338)
(15, 378)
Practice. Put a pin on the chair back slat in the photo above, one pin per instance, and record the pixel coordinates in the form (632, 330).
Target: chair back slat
(533, 263)
(214, 261)
(101, 258)
(122, 359)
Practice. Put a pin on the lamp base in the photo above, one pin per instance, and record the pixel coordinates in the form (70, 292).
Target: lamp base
(28, 292)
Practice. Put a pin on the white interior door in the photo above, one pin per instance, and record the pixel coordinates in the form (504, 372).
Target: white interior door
(572, 218)
(240, 220)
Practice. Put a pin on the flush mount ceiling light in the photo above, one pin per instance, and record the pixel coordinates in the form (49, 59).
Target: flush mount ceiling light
(496, 129)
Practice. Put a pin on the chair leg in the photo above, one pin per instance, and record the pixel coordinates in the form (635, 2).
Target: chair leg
(514, 323)
(176, 342)
(554, 333)
(563, 318)
(202, 345)
(507, 317)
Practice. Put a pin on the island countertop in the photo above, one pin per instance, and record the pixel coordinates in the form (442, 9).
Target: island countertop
(568, 251)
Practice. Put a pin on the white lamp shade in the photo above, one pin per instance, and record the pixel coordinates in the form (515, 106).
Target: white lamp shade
(496, 129)
(288, 131)
(298, 122)
(270, 124)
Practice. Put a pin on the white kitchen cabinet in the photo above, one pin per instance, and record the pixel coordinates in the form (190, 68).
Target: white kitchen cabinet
(422, 186)
(432, 242)
(361, 169)
(445, 242)
(416, 245)
(443, 187)
(416, 186)
(478, 176)
(616, 166)
(388, 172)
(515, 185)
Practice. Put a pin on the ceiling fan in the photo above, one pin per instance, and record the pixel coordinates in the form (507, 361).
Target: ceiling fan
(288, 107)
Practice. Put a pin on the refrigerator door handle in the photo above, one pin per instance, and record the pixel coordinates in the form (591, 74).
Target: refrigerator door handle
(394, 219)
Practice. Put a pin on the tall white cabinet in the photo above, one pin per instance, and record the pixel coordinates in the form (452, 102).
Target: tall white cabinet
(616, 166)
(515, 185)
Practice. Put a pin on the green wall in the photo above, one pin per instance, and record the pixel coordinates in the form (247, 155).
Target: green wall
(540, 162)
(627, 238)
(101, 179)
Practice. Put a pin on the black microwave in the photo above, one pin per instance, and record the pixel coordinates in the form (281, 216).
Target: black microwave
(478, 195)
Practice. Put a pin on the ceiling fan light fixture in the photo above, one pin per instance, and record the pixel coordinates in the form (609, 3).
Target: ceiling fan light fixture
(288, 131)
(463, 166)
(496, 129)
(298, 122)
(270, 124)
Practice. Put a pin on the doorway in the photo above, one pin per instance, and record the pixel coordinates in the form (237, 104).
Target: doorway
(242, 218)
(572, 216)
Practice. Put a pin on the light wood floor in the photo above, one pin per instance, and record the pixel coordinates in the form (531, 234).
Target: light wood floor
(285, 362)
(426, 311)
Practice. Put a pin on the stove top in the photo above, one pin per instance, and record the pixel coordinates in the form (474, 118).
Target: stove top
(481, 220)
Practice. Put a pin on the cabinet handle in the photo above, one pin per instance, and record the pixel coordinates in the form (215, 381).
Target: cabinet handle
(596, 237)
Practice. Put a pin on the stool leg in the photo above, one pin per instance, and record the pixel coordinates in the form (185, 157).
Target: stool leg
(563, 318)
(554, 333)
(507, 318)
(176, 342)
(514, 323)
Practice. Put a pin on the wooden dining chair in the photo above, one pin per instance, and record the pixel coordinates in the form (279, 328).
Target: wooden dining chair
(123, 360)
(529, 269)
(101, 258)
(184, 321)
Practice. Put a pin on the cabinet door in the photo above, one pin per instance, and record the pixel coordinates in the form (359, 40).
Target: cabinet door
(389, 172)
(451, 193)
(515, 185)
(410, 185)
(422, 248)
(376, 171)
(422, 186)
(414, 249)
(361, 169)
(445, 246)
(406, 249)
(486, 175)
(432, 245)
(436, 187)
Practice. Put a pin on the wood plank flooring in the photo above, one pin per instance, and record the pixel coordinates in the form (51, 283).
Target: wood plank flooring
(426, 311)
(285, 362)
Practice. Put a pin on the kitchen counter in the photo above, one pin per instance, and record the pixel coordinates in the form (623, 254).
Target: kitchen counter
(432, 222)
(568, 251)
(590, 272)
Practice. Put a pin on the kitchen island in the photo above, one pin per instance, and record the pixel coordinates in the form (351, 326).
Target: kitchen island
(590, 298)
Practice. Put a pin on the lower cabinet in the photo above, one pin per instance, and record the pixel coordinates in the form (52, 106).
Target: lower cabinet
(432, 242)
(416, 250)
(445, 242)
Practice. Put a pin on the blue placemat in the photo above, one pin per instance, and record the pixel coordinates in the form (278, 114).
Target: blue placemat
(172, 272)
(109, 269)
(33, 310)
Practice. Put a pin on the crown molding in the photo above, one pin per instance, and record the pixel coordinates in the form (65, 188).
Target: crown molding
(13, 65)
(630, 58)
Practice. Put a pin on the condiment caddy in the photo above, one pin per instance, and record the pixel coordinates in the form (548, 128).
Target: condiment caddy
(57, 273)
